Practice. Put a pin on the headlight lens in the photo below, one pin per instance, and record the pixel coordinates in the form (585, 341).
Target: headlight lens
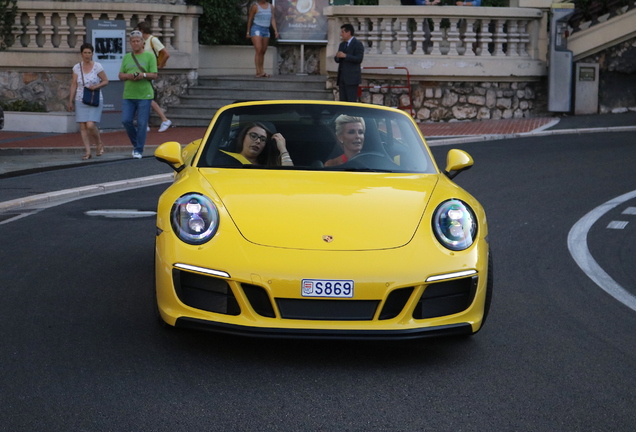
(194, 218)
(454, 225)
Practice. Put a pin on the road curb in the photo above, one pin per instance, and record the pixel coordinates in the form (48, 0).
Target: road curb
(50, 198)
(535, 133)
(108, 150)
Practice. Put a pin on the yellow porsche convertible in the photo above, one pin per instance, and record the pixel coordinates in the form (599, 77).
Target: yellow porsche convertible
(319, 220)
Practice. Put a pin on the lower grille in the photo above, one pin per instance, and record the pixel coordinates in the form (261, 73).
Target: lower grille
(259, 299)
(332, 310)
(446, 298)
(395, 303)
(205, 292)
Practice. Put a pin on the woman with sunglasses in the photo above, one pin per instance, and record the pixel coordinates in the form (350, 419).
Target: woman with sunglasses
(255, 147)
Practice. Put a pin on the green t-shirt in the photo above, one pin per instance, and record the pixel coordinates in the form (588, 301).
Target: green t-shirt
(139, 89)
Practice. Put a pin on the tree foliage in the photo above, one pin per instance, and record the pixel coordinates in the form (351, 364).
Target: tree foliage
(222, 22)
(8, 12)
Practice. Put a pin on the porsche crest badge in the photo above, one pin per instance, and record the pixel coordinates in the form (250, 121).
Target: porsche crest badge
(327, 238)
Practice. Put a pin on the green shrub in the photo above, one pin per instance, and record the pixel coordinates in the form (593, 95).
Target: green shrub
(222, 22)
(8, 12)
(24, 106)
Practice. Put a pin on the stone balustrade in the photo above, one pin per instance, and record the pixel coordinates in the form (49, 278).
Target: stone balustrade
(36, 66)
(59, 28)
(446, 42)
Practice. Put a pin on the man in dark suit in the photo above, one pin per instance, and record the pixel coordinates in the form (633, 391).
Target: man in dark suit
(349, 57)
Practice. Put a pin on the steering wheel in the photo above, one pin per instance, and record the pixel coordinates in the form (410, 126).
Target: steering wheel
(372, 160)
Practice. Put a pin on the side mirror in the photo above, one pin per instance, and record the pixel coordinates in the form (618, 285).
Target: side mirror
(170, 153)
(456, 162)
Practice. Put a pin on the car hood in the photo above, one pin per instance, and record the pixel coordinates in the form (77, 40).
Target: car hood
(323, 211)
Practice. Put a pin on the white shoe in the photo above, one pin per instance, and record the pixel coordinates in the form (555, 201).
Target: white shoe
(136, 155)
(165, 125)
(148, 129)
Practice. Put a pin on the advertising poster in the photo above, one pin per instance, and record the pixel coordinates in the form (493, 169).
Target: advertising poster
(301, 20)
(109, 40)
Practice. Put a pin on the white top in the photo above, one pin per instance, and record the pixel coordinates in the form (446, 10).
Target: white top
(91, 78)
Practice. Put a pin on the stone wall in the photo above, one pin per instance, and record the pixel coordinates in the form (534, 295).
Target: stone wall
(52, 89)
(289, 59)
(446, 101)
(617, 77)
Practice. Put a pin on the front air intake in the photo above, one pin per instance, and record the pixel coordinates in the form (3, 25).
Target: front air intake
(205, 292)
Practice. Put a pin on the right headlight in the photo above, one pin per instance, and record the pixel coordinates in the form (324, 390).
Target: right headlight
(194, 218)
(454, 225)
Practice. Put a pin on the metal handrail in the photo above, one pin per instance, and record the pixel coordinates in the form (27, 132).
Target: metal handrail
(408, 85)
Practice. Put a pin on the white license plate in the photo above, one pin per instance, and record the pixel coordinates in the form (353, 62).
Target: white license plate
(327, 288)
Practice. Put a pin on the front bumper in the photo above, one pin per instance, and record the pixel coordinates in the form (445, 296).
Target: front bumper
(279, 333)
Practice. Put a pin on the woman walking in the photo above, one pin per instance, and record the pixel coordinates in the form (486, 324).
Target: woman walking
(88, 74)
(261, 17)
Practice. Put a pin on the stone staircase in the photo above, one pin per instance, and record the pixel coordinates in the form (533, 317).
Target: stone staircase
(198, 106)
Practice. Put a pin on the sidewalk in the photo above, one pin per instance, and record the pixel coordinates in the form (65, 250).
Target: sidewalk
(23, 152)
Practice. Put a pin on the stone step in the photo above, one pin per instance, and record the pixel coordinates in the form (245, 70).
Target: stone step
(184, 119)
(290, 82)
(257, 94)
(211, 93)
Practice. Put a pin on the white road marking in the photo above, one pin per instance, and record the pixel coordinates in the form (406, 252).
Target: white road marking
(617, 225)
(121, 213)
(577, 244)
(630, 211)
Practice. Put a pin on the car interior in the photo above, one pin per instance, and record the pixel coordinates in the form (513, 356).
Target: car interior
(390, 141)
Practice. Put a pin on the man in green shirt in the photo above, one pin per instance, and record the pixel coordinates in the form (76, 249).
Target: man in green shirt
(138, 69)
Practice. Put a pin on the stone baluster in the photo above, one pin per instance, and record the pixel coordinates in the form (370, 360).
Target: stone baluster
(19, 31)
(47, 30)
(470, 37)
(388, 35)
(403, 36)
(436, 36)
(80, 29)
(453, 36)
(31, 30)
(168, 32)
(419, 36)
(362, 33)
(157, 29)
(499, 38)
(524, 38)
(484, 38)
(513, 39)
(375, 36)
(128, 18)
(63, 30)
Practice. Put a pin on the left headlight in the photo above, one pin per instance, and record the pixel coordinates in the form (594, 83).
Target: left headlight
(194, 218)
(454, 225)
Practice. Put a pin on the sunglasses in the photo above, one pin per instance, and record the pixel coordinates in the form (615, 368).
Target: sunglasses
(256, 137)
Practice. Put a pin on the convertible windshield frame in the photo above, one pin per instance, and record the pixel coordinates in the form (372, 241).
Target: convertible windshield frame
(391, 142)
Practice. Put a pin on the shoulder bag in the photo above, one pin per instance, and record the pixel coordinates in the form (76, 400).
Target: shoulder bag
(90, 97)
(137, 63)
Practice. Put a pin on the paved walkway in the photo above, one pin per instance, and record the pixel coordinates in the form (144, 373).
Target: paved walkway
(22, 152)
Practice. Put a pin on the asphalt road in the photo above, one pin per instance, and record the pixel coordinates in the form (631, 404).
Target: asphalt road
(82, 349)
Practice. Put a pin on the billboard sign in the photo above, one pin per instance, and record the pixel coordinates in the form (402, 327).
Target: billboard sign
(109, 40)
(301, 20)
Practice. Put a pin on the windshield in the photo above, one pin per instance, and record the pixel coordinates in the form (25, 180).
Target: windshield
(324, 137)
